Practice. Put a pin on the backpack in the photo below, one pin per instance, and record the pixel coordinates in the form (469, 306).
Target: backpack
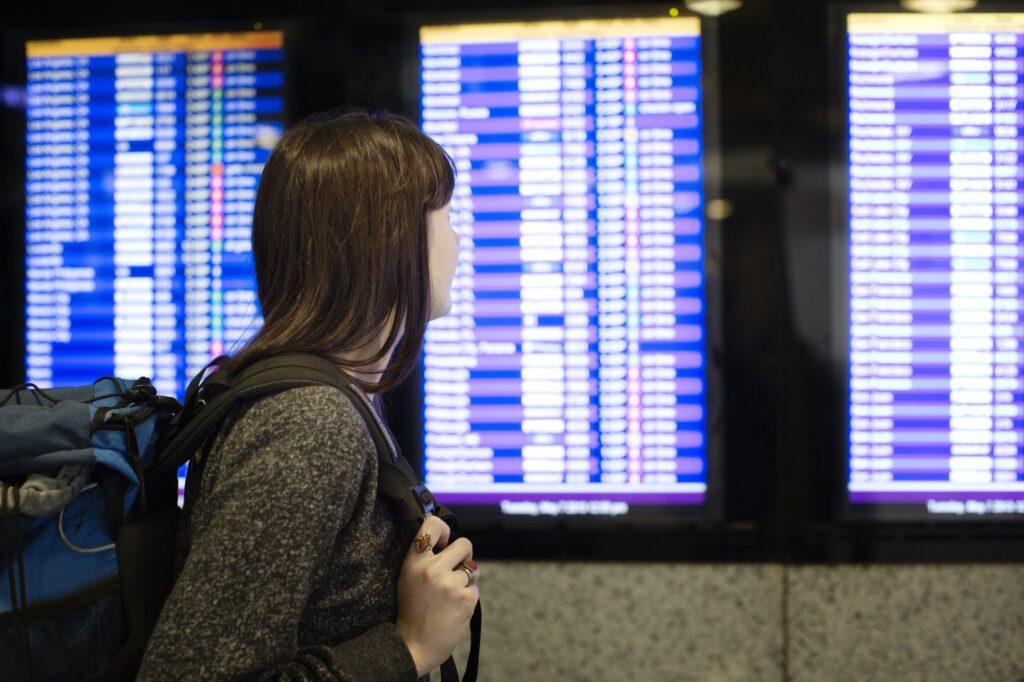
(88, 506)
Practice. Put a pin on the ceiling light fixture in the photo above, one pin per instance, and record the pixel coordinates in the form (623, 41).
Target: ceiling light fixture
(713, 8)
(938, 6)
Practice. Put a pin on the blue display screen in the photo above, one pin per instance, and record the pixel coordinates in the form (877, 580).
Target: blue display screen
(570, 376)
(143, 158)
(935, 392)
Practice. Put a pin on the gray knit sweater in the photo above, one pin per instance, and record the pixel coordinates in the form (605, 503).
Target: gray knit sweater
(292, 559)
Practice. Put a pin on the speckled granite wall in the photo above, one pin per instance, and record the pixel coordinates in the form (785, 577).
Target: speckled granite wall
(585, 621)
(906, 623)
(649, 622)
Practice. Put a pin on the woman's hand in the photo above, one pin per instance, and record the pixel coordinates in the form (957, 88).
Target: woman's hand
(434, 602)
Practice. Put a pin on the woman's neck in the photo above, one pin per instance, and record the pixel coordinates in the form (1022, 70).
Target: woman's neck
(371, 373)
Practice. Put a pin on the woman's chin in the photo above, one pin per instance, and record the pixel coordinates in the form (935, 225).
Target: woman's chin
(440, 310)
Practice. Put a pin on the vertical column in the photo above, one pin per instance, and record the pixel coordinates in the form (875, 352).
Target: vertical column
(216, 190)
(577, 178)
(82, 278)
(670, 403)
(134, 339)
(1006, 99)
(473, 460)
(251, 125)
(196, 243)
(971, 220)
(631, 204)
(886, 334)
(167, 316)
(56, 210)
(447, 377)
(611, 257)
(541, 253)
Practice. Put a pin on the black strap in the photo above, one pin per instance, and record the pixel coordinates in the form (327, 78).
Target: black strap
(449, 672)
(209, 400)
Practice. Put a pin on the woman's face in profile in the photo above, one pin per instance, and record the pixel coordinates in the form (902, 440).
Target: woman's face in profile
(443, 251)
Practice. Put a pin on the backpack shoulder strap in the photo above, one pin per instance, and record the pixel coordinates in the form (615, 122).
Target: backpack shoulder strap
(209, 404)
(210, 401)
(397, 481)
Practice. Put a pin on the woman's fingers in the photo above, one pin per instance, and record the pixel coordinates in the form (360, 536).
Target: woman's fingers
(474, 571)
(446, 564)
(453, 555)
(433, 533)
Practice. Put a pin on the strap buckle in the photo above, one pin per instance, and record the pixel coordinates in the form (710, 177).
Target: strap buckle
(140, 392)
(424, 499)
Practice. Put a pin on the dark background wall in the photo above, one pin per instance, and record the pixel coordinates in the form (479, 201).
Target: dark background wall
(592, 605)
(365, 54)
(775, 69)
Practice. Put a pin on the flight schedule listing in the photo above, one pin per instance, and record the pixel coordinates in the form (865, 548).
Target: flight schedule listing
(935, 169)
(143, 158)
(570, 376)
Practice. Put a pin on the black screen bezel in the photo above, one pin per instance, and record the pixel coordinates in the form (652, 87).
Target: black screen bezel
(489, 517)
(839, 295)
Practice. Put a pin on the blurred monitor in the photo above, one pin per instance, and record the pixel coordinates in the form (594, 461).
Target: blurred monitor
(143, 158)
(934, 326)
(570, 378)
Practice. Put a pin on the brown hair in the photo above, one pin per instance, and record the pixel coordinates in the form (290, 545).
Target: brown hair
(339, 240)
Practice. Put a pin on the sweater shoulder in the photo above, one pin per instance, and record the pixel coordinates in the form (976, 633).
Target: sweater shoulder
(305, 426)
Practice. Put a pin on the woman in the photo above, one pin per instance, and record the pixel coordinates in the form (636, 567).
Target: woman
(290, 566)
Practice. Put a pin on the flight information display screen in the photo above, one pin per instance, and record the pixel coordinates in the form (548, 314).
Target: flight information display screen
(143, 158)
(570, 376)
(935, 419)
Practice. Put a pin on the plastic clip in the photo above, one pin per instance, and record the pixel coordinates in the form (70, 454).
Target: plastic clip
(425, 499)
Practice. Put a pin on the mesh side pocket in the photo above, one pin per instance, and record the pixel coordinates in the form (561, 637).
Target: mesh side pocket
(66, 644)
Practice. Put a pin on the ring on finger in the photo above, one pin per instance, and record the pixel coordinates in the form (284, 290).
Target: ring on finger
(423, 543)
(470, 574)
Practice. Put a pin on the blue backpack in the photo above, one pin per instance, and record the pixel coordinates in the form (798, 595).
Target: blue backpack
(89, 514)
(85, 527)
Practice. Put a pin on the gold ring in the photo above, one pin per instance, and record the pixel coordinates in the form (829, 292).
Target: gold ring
(469, 574)
(423, 543)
